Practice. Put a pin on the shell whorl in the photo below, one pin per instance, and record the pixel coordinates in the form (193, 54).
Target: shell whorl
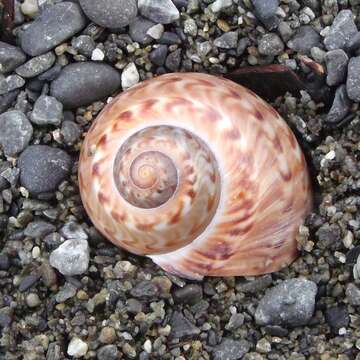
(198, 173)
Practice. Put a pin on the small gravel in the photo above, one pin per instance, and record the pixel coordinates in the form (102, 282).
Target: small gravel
(271, 45)
(47, 111)
(10, 57)
(231, 349)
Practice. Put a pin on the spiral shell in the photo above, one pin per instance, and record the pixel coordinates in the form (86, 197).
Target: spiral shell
(199, 174)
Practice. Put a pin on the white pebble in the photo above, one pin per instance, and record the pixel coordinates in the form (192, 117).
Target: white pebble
(35, 252)
(129, 76)
(97, 55)
(29, 8)
(148, 346)
(330, 155)
(342, 331)
(218, 5)
(77, 348)
(156, 31)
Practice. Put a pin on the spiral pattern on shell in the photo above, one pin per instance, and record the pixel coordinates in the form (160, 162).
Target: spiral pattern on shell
(199, 174)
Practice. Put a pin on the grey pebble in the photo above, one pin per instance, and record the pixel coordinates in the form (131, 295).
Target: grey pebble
(6, 100)
(74, 87)
(10, 83)
(354, 43)
(236, 320)
(227, 41)
(169, 38)
(265, 11)
(353, 294)
(71, 257)
(10, 57)
(73, 230)
(5, 319)
(42, 168)
(230, 349)
(138, 30)
(50, 74)
(181, 327)
(337, 317)
(28, 281)
(336, 65)
(160, 11)
(305, 38)
(270, 45)
(15, 132)
(252, 287)
(54, 352)
(285, 31)
(291, 303)
(47, 111)
(144, 290)
(66, 292)
(189, 294)
(84, 45)
(52, 241)
(190, 27)
(36, 65)
(340, 107)
(4, 262)
(38, 229)
(108, 352)
(173, 60)
(54, 25)
(353, 79)
(133, 306)
(158, 55)
(341, 31)
(70, 132)
(110, 13)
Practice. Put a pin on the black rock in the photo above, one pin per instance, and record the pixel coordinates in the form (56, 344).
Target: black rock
(230, 349)
(15, 132)
(340, 107)
(10, 57)
(138, 30)
(47, 111)
(169, 38)
(275, 330)
(43, 168)
(7, 99)
(255, 286)
(84, 44)
(336, 65)
(108, 352)
(158, 55)
(173, 60)
(144, 290)
(81, 84)
(305, 38)
(38, 229)
(54, 25)
(11, 83)
(70, 132)
(51, 74)
(265, 11)
(4, 262)
(181, 327)
(110, 13)
(189, 294)
(36, 65)
(353, 79)
(337, 318)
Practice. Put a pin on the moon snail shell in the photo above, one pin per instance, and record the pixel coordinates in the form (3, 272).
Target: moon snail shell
(198, 173)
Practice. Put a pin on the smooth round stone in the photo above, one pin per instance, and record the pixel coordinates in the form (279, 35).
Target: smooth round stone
(77, 348)
(15, 132)
(32, 300)
(81, 84)
(70, 132)
(110, 13)
(47, 111)
(55, 24)
(160, 11)
(10, 57)
(138, 30)
(43, 168)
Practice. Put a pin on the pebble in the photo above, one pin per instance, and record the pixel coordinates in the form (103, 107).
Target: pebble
(156, 31)
(227, 41)
(133, 306)
(236, 320)
(160, 11)
(169, 38)
(219, 5)
(129, 76)
(10, 83)
(77, 348)
(50, 74)
(182, 327)
(352, 294)
(73, 230)
(190, 27)
(158, 55)
(340, 107)
(110, 13)
(342, 30)
(66, 292)
(97, 55)
(38, 229)
(291, 303)
(84, 45)
(30, 8)
(270, 45)
(305, 38)
(32, 300)
(10, 57)
(74, 87)
(189, 294)
(263, 346)
(55, 24)
(43, 168)
(70, 132)
(336, 65)
(107, 335)
(5, 320)
(145, 290)
(108, 352)
(138, 30)
(285, 31)
(173, 60)
(71, 257)
(337, 317)
(353, 79)
(255, 286)
(266, 11)
(47, 111)
(28, 281)
(6, 100)
(15, 132)
(230, 349)
(4, 262)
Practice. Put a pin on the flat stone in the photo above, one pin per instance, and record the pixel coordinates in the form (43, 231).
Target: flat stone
(80, 84)
(265, 11)
(10, 57)
(70, 132)
(158, 55)
(11, 83)
(38, 229)
(15, 132)
(50, 74)
(189, 294)
(47, 111)
(230, 349)
(138, 30)
(110, 13)
(305, 38)
(181, 327)
(160, 11)
(54, 25)
(341, 106)
(227, 41)
(36, 65)
(43, 168)
(336, 65)
(353, 79)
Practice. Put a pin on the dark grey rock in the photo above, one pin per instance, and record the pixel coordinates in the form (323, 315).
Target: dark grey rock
(36, 65)
(160, 11)
(181, 327)
(71, 257)
(336, 65)
(353, 45)
(340, 107)
(66, 292)
(230, 349)
(54, 25)
(341, 31)
(353, 294)
(4, 262)
(47, 111)
(6, 100)
(110, 13)
(108, 352)
(254, 286)
(138, 30)
(227, 41)
(290, 303)
(5, 319)
(10, 57)
(133, 306)
(81, 84)
(51, 74)
(38, 229)
(70, 132)
(270, 45)
(305, 38)
(353, 79)
(265, 11)
(275, 330)
(28, 281)
(169, 38)
(328, 236)
(285, 31)
(337, 317)
(73, 230)
(11, 83)
(145, 290)
(52, 241)
(84, 45)
(158, 55)
(189, 294)
(173, 60)
(42, 168)
(15, 132)
(236, 320)
(11, 175)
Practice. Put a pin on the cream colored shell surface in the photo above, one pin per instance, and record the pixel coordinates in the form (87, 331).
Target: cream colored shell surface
(242, 186)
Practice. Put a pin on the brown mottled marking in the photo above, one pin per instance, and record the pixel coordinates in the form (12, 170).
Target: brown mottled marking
(234, 94)
(178, 102)
(220, 251)
(103, 140)
(148, 104)
(212, 115)
(287, 176)
(277, 144)
(191, 193)
(145, 227)
(96, 169)
(126, 116)
(211, 202)
(259, 115)
(236, 232)
(119, 217)
(103, 198)
(212, 177)
(233, 134)
(176, 217)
